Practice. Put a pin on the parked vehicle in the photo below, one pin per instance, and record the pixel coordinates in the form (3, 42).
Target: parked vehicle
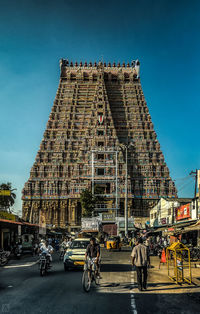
(113, 243)
(27, 243)
(194, 253)
(158, 250)
(4, 257)
(17, 250)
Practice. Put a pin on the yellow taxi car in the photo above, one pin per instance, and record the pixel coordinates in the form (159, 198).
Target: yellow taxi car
(75, 254)
(113, 243)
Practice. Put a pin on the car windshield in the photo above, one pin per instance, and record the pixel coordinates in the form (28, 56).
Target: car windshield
(79, 244)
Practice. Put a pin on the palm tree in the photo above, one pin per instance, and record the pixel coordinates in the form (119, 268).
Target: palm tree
(7, 201)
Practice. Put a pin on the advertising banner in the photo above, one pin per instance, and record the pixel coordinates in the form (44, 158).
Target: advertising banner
(90, 224)
(5, 192)
(183, 212)
(6, 215)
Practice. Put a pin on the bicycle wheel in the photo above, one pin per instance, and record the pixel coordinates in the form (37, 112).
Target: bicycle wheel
(194, 256)
(42, 269)
(61, 256)
(97, 280)
(86, 283)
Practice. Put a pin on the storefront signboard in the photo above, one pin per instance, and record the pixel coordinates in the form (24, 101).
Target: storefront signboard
(106, 217)
(6, 215)
(183, 212)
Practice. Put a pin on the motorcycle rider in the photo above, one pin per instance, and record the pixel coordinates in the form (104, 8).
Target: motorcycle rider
(63, 248)
(45, 247)
(64, 244)
(93, 254)
(69, 242)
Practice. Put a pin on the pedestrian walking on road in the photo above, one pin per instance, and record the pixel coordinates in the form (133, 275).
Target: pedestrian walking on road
(140, 259)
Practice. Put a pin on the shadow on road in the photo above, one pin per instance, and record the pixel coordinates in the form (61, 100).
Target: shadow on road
(116, 267)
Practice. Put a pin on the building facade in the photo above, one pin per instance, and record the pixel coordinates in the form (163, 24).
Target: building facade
(99, 110)
(172, 211)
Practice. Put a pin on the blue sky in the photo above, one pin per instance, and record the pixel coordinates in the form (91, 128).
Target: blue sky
(162, 34)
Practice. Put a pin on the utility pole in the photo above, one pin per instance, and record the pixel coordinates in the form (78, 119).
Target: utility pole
(126, 194)
(125, 148)
(194, 173)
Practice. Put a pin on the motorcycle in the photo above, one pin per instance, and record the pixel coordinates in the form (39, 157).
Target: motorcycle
(158, 250)
(18, 251)
(62, 253)
(44, 263)
(4, 257)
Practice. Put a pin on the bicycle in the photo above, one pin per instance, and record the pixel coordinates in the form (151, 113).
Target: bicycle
(195, 254)
(90, 274)
(4, 257)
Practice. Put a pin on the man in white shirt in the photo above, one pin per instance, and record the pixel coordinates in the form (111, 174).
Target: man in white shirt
(140, 259)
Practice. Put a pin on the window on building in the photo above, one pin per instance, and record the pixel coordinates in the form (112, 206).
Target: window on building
(169, 211)
(100, 171)
(100, 144)
(100, 156)
(100, 132)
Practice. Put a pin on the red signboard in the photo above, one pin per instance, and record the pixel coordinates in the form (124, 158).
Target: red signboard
(183, 212)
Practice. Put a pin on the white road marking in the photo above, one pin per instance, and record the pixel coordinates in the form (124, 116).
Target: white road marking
(21, 265)
(133, 304)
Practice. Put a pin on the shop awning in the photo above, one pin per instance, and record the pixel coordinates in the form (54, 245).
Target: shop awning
(158, 229)
(184, 224)
(193, 227)
(29, 224)
(11, 221)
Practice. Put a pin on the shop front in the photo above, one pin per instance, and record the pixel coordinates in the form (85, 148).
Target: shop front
(9, 233)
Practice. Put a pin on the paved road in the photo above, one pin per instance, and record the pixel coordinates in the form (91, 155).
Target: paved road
(22, 290)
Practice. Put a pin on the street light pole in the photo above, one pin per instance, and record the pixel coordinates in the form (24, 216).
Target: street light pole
(195, 192)
(125, 148)
(126, 194)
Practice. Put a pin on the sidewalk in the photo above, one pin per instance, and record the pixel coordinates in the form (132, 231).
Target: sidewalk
(159, 282)
(118, 277)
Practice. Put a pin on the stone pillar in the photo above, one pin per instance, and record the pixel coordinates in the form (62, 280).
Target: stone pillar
(63, 207)
(26, 210)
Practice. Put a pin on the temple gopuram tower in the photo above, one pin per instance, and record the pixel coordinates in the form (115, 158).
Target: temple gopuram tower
(99, 110)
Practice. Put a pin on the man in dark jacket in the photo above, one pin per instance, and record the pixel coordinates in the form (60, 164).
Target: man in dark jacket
(140, 258)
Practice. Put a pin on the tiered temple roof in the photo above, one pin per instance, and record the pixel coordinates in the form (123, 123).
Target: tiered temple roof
(98, 108)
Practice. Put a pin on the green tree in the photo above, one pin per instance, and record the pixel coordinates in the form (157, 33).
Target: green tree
(7, 201)
(88, 201)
